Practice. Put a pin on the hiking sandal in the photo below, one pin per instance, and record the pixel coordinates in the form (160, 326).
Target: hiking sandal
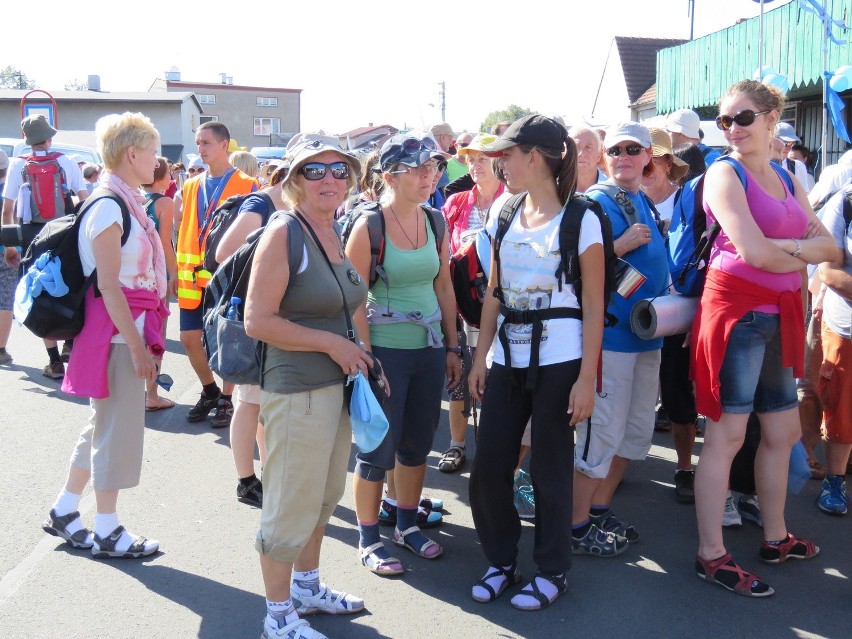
(399, 538)
(532, 590)
(57, 525)
(105, 547)
(748, 585)
(511, 576)
(378, 566)
(791, 548)
(452, 459)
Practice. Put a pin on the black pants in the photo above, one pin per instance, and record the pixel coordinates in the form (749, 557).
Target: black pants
(506, 408)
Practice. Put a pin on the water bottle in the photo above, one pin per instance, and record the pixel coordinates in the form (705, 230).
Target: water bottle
(233, 312)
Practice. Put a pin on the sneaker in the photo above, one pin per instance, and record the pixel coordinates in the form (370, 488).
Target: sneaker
(326, 601)
(732, 515)
(431, 503)
(65, 355)
(598, 542)
(224, 412)
(684, 481)
(608, 522)
(832, 497)
(299, 629)
(749, 509)
(452, 459)
(54, 370)
(425, 518)
(202, 408)
(5, 358)
(790, 548)
(251, 494)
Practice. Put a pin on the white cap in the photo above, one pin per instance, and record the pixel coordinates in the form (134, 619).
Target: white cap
(684, 121)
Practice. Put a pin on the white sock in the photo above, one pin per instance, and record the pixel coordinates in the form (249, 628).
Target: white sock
(392, 502)
(66, 503)
(281, 612)
(495, 582)
(547, 588)
(459, 444)
(306, 581)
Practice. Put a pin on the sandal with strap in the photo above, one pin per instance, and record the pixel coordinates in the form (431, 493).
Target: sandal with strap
(378, 566)
(532, 590)
(791, 548)
(57, 526)
(748, 585)
(105, 547)
(452, 459)
(426, 550)
(509, 577)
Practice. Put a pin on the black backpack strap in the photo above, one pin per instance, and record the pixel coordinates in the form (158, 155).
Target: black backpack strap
(569, 241)
(102, 193)
(847, 207)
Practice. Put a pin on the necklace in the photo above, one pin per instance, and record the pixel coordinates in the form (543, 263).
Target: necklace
(416, 242)
(335, 240)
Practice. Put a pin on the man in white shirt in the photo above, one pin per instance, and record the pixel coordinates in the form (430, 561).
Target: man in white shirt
(785, 138)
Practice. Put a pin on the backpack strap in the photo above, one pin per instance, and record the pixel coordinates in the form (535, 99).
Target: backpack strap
(614, 193)
(376, 232)
(102, 193)
(569, 241)
(504, 221)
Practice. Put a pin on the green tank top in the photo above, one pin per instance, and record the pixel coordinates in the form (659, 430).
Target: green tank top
(411, 276)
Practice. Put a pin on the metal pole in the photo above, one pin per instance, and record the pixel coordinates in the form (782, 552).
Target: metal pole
(443, 101)
(691, 19)
(760, 43)
(824, 141)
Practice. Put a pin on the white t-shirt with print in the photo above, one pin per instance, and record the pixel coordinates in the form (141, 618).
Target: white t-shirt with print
(528, 262)
(137, 255)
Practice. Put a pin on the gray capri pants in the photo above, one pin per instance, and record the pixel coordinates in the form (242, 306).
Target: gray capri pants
(416, 378)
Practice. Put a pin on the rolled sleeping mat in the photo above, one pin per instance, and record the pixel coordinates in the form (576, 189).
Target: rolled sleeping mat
(663, 316)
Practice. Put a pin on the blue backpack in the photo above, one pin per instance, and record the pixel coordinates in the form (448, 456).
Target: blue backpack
(690, 239)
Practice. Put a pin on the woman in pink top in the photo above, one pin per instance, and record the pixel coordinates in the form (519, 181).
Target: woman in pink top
(748, 334)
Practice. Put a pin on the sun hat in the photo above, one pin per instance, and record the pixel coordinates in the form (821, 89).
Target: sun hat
(536, 130)
(310, 145)
(411, 149)
(684, 121)
(627, 132)
(661, 146)
(36, 129)
(443, 129)
(478, 143)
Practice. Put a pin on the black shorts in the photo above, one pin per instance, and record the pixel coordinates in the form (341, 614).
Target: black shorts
(676, 391)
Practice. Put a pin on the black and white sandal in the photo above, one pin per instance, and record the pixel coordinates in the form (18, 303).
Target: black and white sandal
(57, 525)
(508, 577)
(105, 547)
(532, 590)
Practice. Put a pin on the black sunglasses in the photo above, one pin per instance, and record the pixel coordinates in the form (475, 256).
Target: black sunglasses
(633, 149)
(743, 118)
(314, 171)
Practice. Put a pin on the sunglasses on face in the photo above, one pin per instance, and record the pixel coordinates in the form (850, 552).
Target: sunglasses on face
(743, 118)
(195, 170)
(633, 149)
(314, 171)
(429, 167)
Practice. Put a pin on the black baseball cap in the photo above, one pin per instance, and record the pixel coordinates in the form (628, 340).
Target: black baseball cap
(537, 130)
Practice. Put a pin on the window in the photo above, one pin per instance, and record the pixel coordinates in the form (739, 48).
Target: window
(267, 102)
(204, 98)
(267, 126)
(208, 118)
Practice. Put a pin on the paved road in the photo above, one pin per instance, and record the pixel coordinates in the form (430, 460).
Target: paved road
(206, 581)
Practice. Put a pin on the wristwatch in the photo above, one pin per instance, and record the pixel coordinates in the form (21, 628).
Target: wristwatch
(453, 349)
(798, 248)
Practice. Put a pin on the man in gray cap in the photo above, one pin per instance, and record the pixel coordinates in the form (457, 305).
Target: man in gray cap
(785, 138)
(18, 207)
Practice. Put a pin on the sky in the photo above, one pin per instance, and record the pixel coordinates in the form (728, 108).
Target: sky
(360, 61)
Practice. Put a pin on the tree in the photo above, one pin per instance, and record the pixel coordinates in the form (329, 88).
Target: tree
(12, 78)
(77, 85)
(511, 113)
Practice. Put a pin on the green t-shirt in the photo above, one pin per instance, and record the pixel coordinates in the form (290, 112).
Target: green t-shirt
(455, 169)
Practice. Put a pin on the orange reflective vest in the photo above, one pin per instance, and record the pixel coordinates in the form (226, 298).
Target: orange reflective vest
(191, 276)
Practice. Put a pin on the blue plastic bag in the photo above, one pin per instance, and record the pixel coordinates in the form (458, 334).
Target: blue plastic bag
(369, 424)
(799, 472)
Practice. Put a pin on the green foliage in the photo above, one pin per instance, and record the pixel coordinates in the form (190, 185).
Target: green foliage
(12, 78)
(511, 113)
(77, 85)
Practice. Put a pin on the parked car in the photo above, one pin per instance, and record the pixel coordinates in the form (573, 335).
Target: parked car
(266, 153)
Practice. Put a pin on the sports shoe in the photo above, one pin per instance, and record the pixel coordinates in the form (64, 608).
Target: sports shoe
(202, 408)
(224, 412)
(299, 629)
(790, 548)
(684, 481)
(54, 370)
(326, 601)
(5, 358)
(608, 522)
(251, 494)
(832, 497)
(732, 515)
(598, 542)
(662, 424)
(425, 518)
(749, 509)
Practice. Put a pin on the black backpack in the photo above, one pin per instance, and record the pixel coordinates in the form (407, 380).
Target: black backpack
(231, 353)
(220, 221)
(61, 318)
(567, 271)
(376, 230)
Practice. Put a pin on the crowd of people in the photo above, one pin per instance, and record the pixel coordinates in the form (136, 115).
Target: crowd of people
(553, 362)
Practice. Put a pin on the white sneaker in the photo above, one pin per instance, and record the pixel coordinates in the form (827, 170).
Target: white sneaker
(326, 601)
(299, 629)
(732, 515)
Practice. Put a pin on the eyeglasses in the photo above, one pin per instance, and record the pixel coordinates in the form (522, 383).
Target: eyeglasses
(743, 118)
(633, 149)
(314, 171)
(429, 167)
(195, 169)
(165, 381)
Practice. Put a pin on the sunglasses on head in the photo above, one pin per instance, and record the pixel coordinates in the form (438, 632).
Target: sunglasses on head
(314, 171)
(633, 149)
(743, 118)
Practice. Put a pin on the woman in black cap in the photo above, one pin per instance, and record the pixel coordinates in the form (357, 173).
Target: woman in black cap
(545, 359)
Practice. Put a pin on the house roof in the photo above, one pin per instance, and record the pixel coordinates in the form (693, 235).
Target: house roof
(639, 62)
(649, 97)
(214, 86)
(98, 96)
(368, 129)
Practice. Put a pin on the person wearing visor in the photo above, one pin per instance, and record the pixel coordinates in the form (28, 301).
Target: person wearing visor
(622, 425)
(410, 325)
(545, 360)
(466, 214)
(301, 318)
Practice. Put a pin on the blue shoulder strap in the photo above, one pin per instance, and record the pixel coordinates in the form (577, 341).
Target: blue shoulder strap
(741, 172)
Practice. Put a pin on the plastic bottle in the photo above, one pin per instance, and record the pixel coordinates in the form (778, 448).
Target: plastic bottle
(233, 309)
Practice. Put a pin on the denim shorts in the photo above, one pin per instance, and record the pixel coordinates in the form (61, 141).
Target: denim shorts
(752, 378)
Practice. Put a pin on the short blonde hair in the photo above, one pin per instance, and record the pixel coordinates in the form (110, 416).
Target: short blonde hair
(245, 162)
(116, 133)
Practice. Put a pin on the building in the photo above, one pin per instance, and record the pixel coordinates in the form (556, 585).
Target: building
(367, 135)
(255, 116)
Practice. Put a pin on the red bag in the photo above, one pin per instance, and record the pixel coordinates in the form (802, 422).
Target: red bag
(47, 186)
(469, 283)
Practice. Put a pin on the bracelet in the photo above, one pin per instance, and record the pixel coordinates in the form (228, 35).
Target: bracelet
(454, 349)
(798, 250)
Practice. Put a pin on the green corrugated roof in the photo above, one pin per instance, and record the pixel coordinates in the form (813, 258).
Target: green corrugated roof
(697, 73)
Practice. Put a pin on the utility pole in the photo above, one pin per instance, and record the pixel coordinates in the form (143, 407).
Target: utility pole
(443, 86)
(691, 13)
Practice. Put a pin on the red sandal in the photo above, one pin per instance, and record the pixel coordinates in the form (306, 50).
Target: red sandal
(790, 548)
(748, 585)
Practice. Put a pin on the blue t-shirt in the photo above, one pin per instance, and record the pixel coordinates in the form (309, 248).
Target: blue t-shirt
(649, 259)
(710, 154)
(256, 203)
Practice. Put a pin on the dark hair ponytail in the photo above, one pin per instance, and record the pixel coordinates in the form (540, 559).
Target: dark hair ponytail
(566, 177)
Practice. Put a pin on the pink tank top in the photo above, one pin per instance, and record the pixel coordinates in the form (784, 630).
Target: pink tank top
(777, 220)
